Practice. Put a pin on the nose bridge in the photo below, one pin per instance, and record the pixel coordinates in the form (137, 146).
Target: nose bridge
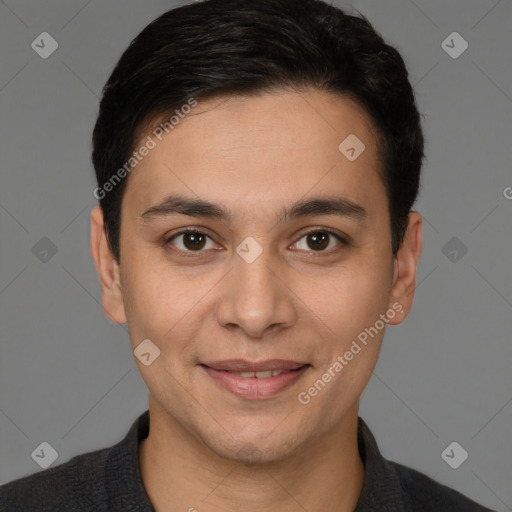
(256, 297)
(255, 278)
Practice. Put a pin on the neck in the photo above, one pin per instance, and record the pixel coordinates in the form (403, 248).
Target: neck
(180, 473)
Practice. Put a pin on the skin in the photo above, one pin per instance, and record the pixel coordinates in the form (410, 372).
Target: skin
(255, 156)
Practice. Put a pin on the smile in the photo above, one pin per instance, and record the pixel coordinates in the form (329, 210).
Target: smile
(259, 375)
(256, 385)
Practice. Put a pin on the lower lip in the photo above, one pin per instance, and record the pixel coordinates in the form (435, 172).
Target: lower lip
(253, 388)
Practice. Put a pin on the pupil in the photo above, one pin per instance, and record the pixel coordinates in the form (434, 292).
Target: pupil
(194, 241)
(318, 240)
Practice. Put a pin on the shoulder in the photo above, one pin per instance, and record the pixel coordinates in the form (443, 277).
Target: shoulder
(72, 486)
(389, 485)
(419, 490)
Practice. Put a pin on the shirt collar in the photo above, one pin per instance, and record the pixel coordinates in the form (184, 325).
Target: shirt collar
(381, 487)
(126, 491)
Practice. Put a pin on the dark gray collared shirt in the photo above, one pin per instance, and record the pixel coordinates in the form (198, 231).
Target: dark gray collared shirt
(110, 480)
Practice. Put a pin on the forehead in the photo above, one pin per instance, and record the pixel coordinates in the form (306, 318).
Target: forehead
(274, 147)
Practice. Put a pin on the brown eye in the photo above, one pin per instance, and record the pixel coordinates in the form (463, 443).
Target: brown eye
(318, 241)
(194, 241)
(191, 241)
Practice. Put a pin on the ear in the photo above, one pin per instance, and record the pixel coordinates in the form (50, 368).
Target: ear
(404, 275)
(108, 269)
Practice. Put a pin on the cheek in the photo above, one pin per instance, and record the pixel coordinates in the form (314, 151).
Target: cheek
(155, 300)
(355, 302)
(347, 300)
(163, 308)
(167, 306)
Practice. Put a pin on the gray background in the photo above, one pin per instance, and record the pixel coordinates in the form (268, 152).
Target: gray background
(68, 376)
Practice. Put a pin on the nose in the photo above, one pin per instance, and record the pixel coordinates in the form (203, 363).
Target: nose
(256, 298)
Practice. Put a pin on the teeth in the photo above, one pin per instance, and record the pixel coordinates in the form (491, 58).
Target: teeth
(258, 375)
(263, 375)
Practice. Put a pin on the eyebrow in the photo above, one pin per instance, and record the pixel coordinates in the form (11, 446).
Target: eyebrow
(181, 205)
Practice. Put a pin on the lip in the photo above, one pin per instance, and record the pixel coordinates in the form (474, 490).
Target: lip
(242, 365)
(254, 388)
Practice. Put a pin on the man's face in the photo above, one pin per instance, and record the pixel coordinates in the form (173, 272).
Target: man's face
(210, 297)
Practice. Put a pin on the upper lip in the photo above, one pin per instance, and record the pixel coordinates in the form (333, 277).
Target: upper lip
(242, 365)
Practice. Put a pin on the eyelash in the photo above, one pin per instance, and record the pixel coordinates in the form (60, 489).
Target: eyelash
(345, 242)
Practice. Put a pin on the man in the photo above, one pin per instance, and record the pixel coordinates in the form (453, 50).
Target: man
(257, 163)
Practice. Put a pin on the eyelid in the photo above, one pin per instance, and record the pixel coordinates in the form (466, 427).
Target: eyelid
(343, 239)
(183, 231)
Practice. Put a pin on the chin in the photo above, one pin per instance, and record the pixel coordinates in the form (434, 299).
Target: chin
(255, 450)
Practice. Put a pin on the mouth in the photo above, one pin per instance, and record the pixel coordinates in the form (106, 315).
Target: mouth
(255, 380)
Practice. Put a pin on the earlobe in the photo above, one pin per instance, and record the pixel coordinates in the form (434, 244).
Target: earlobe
(107, 268)
(404, 281)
